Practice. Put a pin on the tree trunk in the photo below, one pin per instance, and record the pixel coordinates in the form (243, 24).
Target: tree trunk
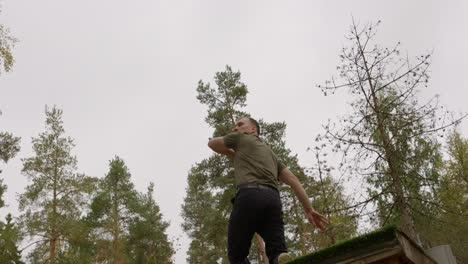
(53, 232)
(53, 241)
(406, 221)
(116, 243)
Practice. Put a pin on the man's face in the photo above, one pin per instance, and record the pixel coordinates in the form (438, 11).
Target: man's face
(244, 125)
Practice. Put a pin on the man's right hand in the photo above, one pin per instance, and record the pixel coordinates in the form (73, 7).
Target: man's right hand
(313, 216)
(317, 219)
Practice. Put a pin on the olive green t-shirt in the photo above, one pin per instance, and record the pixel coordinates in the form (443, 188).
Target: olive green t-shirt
(254, 161)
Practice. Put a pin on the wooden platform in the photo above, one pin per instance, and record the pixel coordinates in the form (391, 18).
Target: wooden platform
(387, 246)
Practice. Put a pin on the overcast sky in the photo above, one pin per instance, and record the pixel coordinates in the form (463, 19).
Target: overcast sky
(125, 74)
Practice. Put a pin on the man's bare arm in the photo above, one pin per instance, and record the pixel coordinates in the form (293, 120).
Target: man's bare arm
(217, 145)
(313, 216)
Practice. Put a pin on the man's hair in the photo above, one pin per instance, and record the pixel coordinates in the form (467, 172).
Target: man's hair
(255, 123)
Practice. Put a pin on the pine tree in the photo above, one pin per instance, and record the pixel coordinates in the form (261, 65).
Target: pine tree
(111, 211)
(9, 238)
(148, 241)
(53, 201)
(126, 226)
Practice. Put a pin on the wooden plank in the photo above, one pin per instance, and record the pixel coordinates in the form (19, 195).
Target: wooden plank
(374, 256)
(412, 251)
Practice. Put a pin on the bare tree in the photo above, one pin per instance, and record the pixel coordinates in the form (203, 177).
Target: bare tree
(388, 139)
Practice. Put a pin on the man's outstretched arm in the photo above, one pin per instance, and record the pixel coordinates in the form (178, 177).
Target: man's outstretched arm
(218, 146)
(313, 216)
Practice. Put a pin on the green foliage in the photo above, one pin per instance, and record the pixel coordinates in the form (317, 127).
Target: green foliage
(328, 198)
(415, 157)
(453, 195)
(7, 42)
(80, 248)
(456, 174)
(111, 210)
(125, 226)
(9, 146)
(55, 197)
(449, 223)
(3, 189)
(205, 210)
(224, 101)
(148, 242)
(9, 238)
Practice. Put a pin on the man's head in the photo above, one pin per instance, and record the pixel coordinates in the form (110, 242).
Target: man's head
(247, 125)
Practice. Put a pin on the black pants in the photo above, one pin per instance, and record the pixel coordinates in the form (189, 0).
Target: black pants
(256, 210)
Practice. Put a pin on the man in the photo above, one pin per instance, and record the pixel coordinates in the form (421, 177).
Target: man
(257, 206)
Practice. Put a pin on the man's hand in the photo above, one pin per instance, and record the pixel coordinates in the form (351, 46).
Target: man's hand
(313, 216)
(317, 219)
